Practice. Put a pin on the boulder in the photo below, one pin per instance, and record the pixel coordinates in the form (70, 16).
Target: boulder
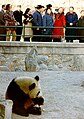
(31, 60)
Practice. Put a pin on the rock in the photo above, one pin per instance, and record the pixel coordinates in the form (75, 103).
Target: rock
(42, 59)
(31, 60)
(60, 66)
(2, 59)
(6, 109)
(43, 67)
(19, 70)
(4, 68)
(53, 68)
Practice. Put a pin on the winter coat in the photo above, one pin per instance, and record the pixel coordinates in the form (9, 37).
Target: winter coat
(71, 18)
(59, 22)
(47, 21)
(81, 31)
(27, 22)
(18, 16)
(37, 19)
(2, 30)
(9, 19)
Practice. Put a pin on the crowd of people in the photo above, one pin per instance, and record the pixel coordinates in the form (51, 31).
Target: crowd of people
(41, 25)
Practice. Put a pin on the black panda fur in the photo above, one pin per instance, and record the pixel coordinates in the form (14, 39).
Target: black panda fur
(19, 97)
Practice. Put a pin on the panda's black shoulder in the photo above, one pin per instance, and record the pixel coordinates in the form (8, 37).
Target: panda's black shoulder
(12, 85)
(14, 91)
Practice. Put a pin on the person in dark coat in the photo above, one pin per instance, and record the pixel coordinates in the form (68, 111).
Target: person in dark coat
(3, 9)
(37, 21)
(81, 24)
(2, 30)
(2, 23)
(71, 20)
(47, 22)
(28, 18)
(18, 17)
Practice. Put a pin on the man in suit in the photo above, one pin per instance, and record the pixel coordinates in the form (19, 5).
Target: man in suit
(37, 21)
(3, 9)
(18, 17)
(2, 23)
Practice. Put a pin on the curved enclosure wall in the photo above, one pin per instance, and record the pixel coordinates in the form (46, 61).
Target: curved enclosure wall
(48, 56)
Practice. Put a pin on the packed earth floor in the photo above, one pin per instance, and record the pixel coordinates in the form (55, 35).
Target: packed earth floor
(63, 93)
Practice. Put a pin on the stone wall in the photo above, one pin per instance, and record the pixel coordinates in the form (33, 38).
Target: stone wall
(58, 56)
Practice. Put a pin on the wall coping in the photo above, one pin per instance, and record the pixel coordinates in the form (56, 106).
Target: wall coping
(55, 44)
(8, 47)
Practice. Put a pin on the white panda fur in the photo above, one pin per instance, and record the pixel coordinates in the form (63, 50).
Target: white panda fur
(25, 82)
(25, 92)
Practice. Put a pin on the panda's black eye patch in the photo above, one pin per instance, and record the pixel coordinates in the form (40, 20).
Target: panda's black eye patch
(32, 86)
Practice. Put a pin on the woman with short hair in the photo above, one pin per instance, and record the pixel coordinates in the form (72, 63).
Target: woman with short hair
(10, 21)
(59, 23)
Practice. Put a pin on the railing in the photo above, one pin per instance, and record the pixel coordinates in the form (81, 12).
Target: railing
(43, 35)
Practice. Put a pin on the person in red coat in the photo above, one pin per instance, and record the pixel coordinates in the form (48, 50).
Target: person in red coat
(60, 21)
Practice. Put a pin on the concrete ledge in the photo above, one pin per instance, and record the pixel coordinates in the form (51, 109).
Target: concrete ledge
(14, 47)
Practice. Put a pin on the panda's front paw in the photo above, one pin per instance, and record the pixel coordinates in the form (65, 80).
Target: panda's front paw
(35, 110)
(38, 100)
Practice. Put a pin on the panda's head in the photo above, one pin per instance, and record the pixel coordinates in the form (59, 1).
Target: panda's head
(30, 86)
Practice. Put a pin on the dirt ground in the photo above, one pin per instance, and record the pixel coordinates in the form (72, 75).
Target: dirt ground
(64, 95)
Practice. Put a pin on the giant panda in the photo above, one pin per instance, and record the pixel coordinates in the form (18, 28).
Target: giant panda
(25, 94)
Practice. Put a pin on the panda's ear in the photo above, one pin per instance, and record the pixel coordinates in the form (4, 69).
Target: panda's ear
(32, 86)
(37, 78)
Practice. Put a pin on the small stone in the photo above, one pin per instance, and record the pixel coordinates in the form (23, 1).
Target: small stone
(4, 68)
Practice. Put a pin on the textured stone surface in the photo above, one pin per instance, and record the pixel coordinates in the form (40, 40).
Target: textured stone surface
(6, 109)
(49, 56)
(2, 111)
(4, 68)
(31, 60)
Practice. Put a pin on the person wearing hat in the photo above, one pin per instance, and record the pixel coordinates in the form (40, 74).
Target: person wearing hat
(49, 6)
(37, 21)
(18, 16)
